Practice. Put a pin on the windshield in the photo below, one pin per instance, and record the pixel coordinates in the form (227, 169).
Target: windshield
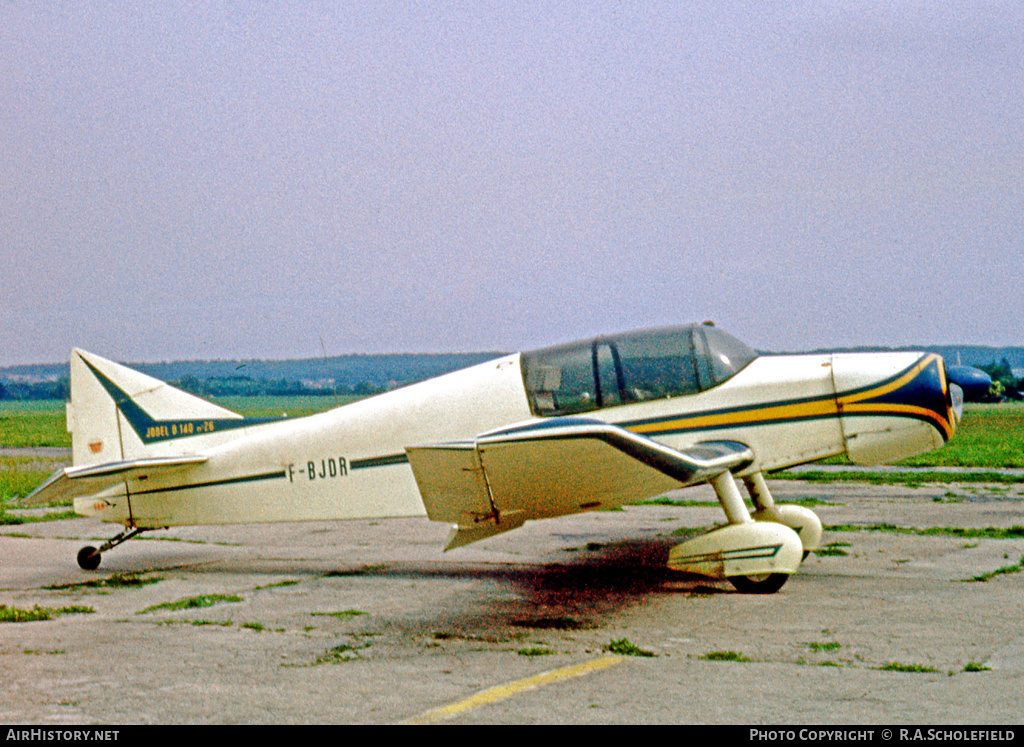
(633, 367)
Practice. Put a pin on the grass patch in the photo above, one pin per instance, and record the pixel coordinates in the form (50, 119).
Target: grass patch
(40, 423)
(17, 615)
(688, 503)
(1006, 569)
(193, 603)
(1014, 532)
(725, 656)
(827, 647)
(19, 476)
(340, 654)
(115, 581)
(278, 585)
(832, 549)
(8, 519)
(812, 502)
(623, 647)
(910, 479)
(677, 502)
(258, 627)
(974, 666)
(220, 623)
(980, 439)
(535, 651)
(893, 666)
(687, 531)
(340, 614)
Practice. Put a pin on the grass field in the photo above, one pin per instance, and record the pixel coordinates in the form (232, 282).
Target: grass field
(990, 436)
(33, 424)
(42, 424)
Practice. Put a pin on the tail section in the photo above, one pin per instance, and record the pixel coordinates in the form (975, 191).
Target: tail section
(118, 414)
(127, 426)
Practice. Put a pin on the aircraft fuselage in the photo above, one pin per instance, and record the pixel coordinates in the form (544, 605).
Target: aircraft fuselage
(351, 462)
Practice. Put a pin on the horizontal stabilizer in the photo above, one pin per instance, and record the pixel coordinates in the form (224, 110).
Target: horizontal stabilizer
(72, 482)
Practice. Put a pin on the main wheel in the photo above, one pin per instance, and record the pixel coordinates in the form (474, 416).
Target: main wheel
(89, 558)
(764, 583)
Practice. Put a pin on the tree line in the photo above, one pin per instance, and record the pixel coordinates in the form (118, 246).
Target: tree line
(235, 386)
(246, 386)
(359, 375)
(22, 390)
(1004, 383)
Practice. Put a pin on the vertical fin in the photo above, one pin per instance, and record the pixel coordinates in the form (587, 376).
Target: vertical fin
(115, 410)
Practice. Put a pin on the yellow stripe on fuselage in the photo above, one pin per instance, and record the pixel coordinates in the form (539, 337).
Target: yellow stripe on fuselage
(857, 402)
(810, 409)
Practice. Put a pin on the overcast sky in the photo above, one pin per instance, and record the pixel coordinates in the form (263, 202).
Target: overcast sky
(258, 179)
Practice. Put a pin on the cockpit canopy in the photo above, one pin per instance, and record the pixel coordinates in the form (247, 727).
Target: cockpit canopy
(632, 367)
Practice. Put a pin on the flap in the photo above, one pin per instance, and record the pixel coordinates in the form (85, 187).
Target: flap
(464, 535)
(73, 482)
(451, 482)
(454, 490)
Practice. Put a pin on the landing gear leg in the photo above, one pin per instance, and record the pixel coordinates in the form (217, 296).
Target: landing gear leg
(730, 499)
(89, 557)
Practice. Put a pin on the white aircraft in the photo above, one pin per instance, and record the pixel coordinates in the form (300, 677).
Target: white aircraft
(536, 435)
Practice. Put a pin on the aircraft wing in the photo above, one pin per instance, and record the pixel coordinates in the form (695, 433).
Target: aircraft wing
(74, 482)
(553, 468)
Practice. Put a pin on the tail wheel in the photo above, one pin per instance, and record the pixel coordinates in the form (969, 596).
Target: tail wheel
(764, 583)
(89, 558)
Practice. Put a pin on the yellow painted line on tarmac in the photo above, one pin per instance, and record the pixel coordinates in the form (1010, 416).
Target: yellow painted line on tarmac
(507, 690)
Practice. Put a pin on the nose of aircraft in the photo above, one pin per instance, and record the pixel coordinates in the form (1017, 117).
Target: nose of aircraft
(942, 400)
(894, 405)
